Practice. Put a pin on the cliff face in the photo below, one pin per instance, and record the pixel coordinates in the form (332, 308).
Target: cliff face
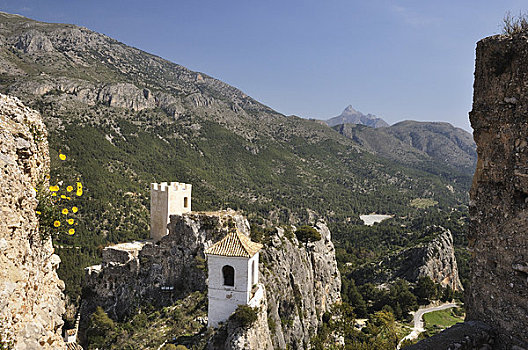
(434, 259)
(302, 281)
(31, 299)
(498, 236)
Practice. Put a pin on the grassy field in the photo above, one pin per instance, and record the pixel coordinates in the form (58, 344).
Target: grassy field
(438, 320)
(423, 203)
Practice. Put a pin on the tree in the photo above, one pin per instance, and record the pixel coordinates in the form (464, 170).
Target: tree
(100, 330)
(307, 234)
(425, 290)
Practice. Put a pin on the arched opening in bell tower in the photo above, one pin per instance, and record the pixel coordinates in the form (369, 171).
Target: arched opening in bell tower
(229, 275)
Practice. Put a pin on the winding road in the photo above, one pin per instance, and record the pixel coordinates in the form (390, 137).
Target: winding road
(418, 321)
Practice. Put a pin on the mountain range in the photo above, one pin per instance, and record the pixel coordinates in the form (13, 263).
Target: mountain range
(413, 142)
(125, 118)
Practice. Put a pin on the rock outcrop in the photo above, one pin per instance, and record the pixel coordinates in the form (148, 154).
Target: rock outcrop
(157, 272)
(31, 299)
(498, 237)
(302, 280)
(434, 259)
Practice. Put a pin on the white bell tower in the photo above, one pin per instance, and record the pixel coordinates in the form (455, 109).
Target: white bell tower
(233, 271)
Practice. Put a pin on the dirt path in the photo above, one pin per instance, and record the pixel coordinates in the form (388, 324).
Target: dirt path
(418, 320)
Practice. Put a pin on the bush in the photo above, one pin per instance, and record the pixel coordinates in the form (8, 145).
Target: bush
(244, 316)
(514, 24)
(307, 234)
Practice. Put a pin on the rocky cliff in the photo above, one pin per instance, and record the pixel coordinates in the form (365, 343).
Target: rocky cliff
(498, 237)
(434, 259)
(31, 300)
(302, 280)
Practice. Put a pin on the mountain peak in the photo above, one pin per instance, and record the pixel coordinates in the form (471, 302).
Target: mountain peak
(352, 116)
(350, 110)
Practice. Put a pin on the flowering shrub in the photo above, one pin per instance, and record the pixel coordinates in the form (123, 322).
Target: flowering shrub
(57, 209)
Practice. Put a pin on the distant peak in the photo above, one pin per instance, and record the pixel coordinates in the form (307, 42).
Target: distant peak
(352, 116)
(351, 110)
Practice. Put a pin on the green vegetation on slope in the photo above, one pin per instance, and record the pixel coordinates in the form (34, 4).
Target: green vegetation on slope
(437, 321)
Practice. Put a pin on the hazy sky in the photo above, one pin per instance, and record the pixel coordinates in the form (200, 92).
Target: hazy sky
(396, 59)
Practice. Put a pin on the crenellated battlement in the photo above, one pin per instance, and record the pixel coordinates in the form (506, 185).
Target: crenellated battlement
(167, 199)
(173, 186)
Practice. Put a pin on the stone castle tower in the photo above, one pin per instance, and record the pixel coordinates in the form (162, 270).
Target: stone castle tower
(233, 271)
(166, 200)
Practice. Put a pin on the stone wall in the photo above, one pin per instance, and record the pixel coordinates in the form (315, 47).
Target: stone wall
(31, 299)
(498, 237)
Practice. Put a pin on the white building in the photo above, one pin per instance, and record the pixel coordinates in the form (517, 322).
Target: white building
(233, 271)
(166, 200)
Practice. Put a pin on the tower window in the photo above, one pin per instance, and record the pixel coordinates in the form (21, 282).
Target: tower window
(185, 202)
(253, 273)
(229, 275)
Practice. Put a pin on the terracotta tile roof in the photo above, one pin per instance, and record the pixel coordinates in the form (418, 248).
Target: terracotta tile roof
(234, 244)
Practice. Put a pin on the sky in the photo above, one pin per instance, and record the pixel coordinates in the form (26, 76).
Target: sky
(398, 60)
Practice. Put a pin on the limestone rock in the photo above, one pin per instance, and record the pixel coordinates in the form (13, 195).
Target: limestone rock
(303, 282)
(31, 299)
(434, 259)
(498, 237)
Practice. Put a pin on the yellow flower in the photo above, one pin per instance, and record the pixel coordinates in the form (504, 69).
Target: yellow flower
(38, 212)
(79, 193)
(54, 188)
(75, 209)
(56, 223)
(79, 189)
(54, 194)
(63, 196)
(62, 156)
(65, 211)
(71, 231)
(69, 188)
(70, 221)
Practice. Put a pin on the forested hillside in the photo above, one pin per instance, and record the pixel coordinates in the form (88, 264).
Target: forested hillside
(125, 118)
